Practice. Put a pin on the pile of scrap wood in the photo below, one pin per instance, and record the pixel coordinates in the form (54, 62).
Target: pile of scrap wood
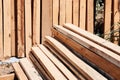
(71, 53)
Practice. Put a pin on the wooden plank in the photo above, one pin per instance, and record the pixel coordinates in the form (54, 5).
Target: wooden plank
(28, 26)
(7, 77)
(58, 64)
(82, 67)
(53, 72)
(36, 22)
(7, 28)
(68, 11)
(55, 11)
(108, 55)
(46, 18)
(1, 31)
(94, 38)
(62, 12)
(90, 15)
(75, 12)
(20, 28)
(29, 69)
(111, 70)
(19, 72)
(107, 25)
(82, 22)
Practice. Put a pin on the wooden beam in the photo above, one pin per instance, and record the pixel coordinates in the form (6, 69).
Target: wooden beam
(20, 28)
(108, 55)
(36, 22)
(19, 72)
(51, 69)
(111, 70)
(82, 67)
(7, 77)
(29, 69)
(58, 64)
(94, 38)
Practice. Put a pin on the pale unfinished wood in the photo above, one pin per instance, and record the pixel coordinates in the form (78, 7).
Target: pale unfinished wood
(85, 69)
(109, 55)
(36, 22)
(19, 71)
(90, 15)
(99, 62)
(7, 77)
(28, 26)
(82, 22)
(68, 11)
(58, 64)
(29, 69)
(51, 69)
(20, 28)
(7, 28)
(75, 12)
(55, 11)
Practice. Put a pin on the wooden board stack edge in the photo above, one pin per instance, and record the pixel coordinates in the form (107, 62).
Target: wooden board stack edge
(82, 67)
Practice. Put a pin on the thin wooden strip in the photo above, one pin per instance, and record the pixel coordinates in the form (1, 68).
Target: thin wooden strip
(29, 69)
(20, 28)
(58, 64)
(19, 72)
(108, 55)
(82, 22)
(1, 32)
(68, 11)
(7, 28)
(36, 22)
(99, 62)
(48, 65)
(90, 15)
(94, 38)
(7, 77)
(75, 12)
(55, 11)
(85, 69)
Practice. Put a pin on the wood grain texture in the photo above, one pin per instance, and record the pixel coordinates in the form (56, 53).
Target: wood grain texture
(7, 77)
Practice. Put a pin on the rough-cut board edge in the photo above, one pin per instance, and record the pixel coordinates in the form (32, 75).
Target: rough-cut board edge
(89, 72)
(66, 63)
(7, 77)
(29, 69)
(36, 22)
(19, 71)
(58, 64)
(109, 55)
(50, 67)
(110, 71)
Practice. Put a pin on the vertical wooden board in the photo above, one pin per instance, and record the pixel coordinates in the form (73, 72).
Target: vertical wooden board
(28, 26)
(1, 32)
(20, 28)
(7, 28)
(55, 11)
(107, 23)
(46, 18)
(90, 15)
(82, 22)
(75, 12)
(68, 11)
(62, 12)
(13, 53)
(36, 22)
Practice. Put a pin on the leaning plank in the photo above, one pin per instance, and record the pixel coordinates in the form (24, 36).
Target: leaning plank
(61, 67)
(100, 62)
(29, 69)
(7, 28)
(7, 77)
(51, 69)
(82, 67)
(110, 56)
(19, 72)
